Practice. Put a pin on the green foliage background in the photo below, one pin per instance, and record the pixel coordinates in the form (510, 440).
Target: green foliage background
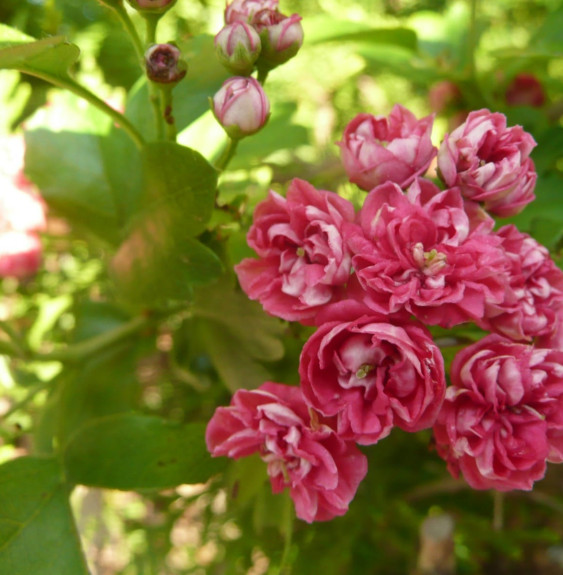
(119, 350)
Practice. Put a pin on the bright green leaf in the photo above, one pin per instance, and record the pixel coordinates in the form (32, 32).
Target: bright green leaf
(133, 452)
(50, 58)
(37, 531)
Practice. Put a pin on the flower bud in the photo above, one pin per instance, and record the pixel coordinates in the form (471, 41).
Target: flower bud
(282, 36)
(151, 6)
(244, 10)
(164, 64)
(525, 90)
(241, 106)
(238, 47)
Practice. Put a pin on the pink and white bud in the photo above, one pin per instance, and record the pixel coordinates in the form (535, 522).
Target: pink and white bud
(164, 64)
(490, 163)
(244, 10)
(241, 106)
(376, 149)
(152, 6)
(238, 47)
(282, 36)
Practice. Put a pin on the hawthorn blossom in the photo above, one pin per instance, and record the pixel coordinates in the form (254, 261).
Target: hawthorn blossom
(372, 375)
(490, 163)
(22, 214)
(534, 291)
(321, 470)
(304, 262)
(501, 419)
(419, 252)
(281, 36)
(376, 149)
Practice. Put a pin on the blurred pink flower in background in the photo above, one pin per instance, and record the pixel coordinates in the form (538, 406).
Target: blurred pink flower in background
(376, 149)
(490, 163)
(525, 90)
(22, 214)
(321, 470)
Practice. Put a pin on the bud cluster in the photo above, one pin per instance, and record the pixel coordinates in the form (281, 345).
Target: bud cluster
(257, 34)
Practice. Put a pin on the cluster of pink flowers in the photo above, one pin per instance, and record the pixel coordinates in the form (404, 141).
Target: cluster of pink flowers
(415, 255)
(22, 214)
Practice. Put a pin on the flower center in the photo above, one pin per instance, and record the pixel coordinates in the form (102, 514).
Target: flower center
(430, 263)
(364, 370)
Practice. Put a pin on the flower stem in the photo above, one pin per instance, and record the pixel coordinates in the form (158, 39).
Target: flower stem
(82, 92)
(151, 22)
(498, 510)
(227, 155)
(167, 106)
(121, 13)
(472, 38)
(80, 351)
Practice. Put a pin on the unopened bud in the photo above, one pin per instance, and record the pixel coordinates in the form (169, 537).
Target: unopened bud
(238, 47)
(152, 6)
(244, 10)
(164, 64)
(281, 36)
(241, 106)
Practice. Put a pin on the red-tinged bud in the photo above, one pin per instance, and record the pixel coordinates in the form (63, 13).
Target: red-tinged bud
(241, 107)
(164, 64)
(152, 6)
(238, 47)
(282, 37)
(525, 90)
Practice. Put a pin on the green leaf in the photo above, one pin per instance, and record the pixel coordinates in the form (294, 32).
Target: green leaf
(133, 452)
(69, 169)
(161, 259)
(255, 332)
(238, 335)
(37, 531)
(328, 29)
(50, 58)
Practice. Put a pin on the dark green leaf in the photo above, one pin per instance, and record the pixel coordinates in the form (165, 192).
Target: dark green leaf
(139, 452)
(161, 259)
(37, 532)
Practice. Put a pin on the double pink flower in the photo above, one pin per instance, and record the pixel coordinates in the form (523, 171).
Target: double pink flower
(321, 470)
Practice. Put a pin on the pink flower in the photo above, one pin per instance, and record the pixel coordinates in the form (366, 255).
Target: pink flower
(238, 47)
(534, 292)
(22, 215)
(375, 149)
(241, 106)
(321, 470)
(501, 418)
(420, 253)
(304, 262)
(244, 10)
(525, 90)
(281, 36)
(372, 375)
(490, 163)
(20, 254)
